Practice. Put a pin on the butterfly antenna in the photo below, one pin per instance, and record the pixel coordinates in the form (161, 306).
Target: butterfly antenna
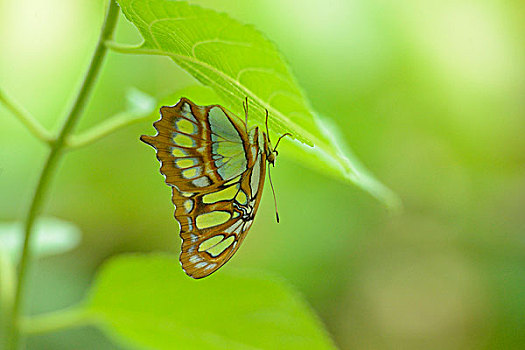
(279, 140)
(274, 199)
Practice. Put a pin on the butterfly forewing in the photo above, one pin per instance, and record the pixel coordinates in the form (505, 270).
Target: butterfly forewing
(216, 170)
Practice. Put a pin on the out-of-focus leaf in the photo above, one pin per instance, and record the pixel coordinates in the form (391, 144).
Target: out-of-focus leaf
(7, 292)
(138, 102)
(51, 236)
(149, 301)
(237, 61)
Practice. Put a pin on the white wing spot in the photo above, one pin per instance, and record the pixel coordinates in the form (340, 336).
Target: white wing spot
(201, 181)
(200, 265)
(190, 224)
(188, 205)
(234, 227)
(211, 266)
(194, 259)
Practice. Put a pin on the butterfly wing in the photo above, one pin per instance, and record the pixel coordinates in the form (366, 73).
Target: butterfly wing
(216, 170)
(217, 238)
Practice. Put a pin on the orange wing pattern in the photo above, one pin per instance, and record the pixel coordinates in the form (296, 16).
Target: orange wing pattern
(216, 169)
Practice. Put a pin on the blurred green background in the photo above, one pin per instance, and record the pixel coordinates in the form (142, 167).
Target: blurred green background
(429, 94)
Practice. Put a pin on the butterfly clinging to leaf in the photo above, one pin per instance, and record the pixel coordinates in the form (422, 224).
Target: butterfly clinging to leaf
(216, 169)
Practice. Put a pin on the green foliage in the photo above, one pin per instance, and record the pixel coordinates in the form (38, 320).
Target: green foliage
(7, 292)
(148, 300)
(438, 116)
(237, 61)
(234, 312)
(51, 236)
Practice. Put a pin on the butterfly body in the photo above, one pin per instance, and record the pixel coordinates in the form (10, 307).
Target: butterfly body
(216, 168)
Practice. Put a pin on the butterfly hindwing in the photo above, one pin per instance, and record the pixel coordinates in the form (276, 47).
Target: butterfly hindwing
(216, 170)
(222, 227)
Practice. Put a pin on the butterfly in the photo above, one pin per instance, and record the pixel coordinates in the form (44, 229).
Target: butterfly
(216, 168)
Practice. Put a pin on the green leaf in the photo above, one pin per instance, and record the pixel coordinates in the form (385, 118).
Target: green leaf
(237, 61)
(198, 94)
(149, 301)
(52, 236)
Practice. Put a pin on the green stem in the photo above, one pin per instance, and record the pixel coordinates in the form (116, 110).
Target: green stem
(55, 321)
(52, 162)
(26, 118)
(105, 128)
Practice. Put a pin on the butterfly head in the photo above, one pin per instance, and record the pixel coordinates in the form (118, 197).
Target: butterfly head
(271, 154)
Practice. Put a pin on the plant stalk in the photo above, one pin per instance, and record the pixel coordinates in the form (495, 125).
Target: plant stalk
(51, 163)
(56, 321)
(105, 128)
(26, 118)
